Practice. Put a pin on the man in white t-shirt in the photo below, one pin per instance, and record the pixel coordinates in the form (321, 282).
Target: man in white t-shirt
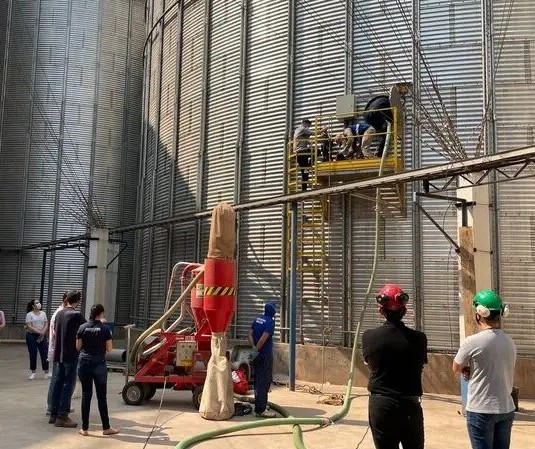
(487, 359)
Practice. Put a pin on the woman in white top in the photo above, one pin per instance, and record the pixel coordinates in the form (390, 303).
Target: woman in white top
(36, 331)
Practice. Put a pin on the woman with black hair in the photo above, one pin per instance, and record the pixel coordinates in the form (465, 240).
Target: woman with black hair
(93, 340)
(36, 330)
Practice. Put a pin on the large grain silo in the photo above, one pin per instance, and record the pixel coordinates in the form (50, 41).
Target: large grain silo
(226, 81)
(70, 109)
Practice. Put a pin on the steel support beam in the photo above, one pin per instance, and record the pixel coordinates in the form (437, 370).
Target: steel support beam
(293, 297)
(459, 168)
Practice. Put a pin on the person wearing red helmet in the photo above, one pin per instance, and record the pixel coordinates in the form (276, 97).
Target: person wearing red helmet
(395, 355)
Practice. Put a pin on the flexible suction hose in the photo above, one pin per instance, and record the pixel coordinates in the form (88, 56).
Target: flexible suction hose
(161, 321)
(344, 410)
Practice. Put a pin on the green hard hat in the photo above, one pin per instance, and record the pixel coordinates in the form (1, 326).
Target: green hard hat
(488, 299)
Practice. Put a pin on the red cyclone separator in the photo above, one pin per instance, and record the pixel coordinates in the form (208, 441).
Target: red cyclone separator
(217, 307)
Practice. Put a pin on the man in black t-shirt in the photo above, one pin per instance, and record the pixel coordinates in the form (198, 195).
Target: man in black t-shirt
(67, 323)
(395, 355)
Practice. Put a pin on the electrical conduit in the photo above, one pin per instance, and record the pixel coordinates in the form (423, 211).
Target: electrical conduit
(344, 410)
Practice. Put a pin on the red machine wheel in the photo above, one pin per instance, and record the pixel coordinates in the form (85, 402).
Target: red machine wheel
(197, 395)
(133, 393)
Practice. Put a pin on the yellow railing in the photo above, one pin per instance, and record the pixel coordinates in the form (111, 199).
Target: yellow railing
(393, 162)
(313, 214)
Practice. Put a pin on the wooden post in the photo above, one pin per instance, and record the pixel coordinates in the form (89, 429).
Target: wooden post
(467, 278)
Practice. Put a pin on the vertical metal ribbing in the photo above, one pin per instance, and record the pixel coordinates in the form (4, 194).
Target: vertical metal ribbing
(289, 121)
(349, 47)
(347, 293)
(240, 132)
(489, 109)
(27, 156)
(4, 70)
(203, 126)
(60, 153)
(178, 68)
(156, 132)
(142, 168)
(416, 163)
(125, 148)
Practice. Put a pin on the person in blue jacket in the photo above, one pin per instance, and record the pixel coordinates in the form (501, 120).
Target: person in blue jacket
(261, 339)
(351, 140)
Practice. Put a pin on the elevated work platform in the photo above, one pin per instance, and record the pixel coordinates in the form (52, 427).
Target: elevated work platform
(353, 169)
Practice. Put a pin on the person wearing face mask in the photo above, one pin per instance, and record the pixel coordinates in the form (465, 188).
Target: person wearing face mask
(94, 340)
(36, 330)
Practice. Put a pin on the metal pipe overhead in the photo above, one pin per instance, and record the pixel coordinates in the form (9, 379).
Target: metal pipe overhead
(449, 169)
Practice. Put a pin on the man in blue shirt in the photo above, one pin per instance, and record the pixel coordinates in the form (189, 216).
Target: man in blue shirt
(261, 339)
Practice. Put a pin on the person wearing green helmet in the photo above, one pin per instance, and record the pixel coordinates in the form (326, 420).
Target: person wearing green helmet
(487, 360)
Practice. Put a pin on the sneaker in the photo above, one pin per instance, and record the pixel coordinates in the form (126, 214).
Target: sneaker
(266, 414)
(52, 420)
(47, 413)
(110, 431)
(48, 375)
(32, 376)
(83, 432)
(66, 422)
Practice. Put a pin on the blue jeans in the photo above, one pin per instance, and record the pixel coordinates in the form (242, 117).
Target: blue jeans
(91, 372)
(490, 431)
(33, 347)
(263, 375)
(60, 404)
(53, 381)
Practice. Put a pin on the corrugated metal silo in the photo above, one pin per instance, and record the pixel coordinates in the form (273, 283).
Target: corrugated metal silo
(69, 136)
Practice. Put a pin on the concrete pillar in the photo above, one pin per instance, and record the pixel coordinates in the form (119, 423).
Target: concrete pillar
(96, 269)
(475, 261)
(479, 218)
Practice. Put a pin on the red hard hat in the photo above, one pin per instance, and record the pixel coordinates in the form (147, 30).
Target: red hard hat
(392, 297)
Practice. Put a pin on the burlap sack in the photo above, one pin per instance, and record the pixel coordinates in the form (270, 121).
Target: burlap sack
(217, 401)
(222, 232)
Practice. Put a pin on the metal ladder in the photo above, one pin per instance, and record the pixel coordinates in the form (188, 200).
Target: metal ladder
(312, 217)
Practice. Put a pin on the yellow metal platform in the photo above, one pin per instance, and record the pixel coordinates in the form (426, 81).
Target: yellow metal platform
(349, 170)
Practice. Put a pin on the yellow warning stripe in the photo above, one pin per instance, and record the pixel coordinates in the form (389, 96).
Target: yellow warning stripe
(219, 291)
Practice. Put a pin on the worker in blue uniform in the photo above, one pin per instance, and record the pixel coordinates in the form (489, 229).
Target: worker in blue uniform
(351, 140)
(261, 339)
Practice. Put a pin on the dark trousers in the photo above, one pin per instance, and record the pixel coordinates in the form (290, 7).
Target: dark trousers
(90, 372)
(33, 347)
(379, 119)
(304, 161)
(60, 404)
(394, 421)
(490, 431)
(263, 375)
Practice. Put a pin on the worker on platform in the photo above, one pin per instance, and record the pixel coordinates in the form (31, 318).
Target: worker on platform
(261, 339)
(303, 150)
(378, 114)
(487, 360)
(395, 355)
(354, 140)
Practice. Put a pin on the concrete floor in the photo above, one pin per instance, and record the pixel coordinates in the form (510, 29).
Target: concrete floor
(23, 423)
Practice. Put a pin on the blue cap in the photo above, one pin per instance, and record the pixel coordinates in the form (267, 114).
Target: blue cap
(270, 309)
